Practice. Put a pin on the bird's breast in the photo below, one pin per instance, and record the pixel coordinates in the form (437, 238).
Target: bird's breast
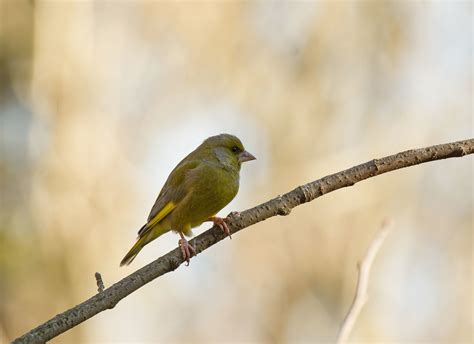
(211, 191)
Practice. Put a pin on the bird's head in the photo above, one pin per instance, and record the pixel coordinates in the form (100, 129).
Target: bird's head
(229, 150)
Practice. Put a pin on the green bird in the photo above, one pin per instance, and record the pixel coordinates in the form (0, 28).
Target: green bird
(203, 183)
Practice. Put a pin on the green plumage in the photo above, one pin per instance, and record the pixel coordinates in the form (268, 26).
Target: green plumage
(203, 183)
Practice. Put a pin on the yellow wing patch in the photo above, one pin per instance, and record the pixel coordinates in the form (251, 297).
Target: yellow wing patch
(161, 214)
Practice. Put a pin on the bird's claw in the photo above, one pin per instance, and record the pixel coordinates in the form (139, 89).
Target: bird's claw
(221, 223)
(186, 249)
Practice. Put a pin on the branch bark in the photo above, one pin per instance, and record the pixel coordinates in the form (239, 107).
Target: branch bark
(281, 205)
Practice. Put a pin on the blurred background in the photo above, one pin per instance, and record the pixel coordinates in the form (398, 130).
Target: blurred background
(100, 100)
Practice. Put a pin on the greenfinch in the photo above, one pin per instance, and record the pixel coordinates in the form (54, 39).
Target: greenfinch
(203, 183)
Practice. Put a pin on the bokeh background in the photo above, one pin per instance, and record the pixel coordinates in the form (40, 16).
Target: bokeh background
(100, 99)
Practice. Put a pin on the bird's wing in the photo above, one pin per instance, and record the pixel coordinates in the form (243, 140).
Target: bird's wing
(172, 193)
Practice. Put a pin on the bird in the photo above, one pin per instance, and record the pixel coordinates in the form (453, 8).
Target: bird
(203, 183)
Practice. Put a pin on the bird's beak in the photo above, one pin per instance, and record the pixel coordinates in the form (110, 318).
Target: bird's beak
(246, 156)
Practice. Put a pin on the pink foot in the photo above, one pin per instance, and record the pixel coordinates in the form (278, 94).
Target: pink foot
(186, 248)
(220, 222)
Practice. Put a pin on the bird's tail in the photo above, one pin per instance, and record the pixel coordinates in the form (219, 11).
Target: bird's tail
(130, 256)
(145, 235)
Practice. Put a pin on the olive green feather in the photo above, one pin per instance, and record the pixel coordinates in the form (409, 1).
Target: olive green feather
(203, 183)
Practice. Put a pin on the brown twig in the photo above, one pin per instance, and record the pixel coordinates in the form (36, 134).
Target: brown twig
(361, 296)
(280, 205)
(100, 283)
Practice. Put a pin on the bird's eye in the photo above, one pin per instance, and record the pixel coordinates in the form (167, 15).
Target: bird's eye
(235, 149)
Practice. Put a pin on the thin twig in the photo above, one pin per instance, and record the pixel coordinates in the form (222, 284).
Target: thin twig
(280, 205)
(100, 283)
(361, 296)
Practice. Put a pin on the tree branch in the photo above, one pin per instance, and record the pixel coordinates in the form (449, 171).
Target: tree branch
(280, 205)
(360, 297)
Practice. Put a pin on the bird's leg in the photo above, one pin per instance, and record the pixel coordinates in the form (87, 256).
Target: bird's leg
(186, 248)
(220, 222)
